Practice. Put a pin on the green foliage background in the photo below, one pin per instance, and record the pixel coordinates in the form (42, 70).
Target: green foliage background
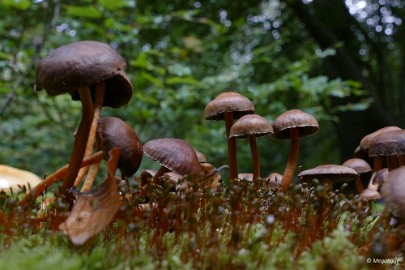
(180, 56)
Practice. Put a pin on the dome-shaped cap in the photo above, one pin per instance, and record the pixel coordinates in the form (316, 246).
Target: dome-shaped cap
(390, 143)
(84, 63)
(370, 194)
(304, 122)
(174, 154)
(12, 179)
(380, 177)
(114, 132)
(251, 124)
(228, 102)
(336, 173)
(366, 140)
(358, 164)
(393, 192)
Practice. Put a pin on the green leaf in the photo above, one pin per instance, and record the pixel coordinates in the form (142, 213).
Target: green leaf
(18, 4)
(84, 11)
(113, 5)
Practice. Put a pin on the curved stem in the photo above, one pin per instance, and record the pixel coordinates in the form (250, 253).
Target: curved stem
(255, 158)
(91, 176)
(80, 142)
(232, 161)
(292, 159)
(98, 104)
(59, 174)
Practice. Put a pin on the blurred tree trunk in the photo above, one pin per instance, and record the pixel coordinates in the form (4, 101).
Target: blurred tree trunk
(330, 24)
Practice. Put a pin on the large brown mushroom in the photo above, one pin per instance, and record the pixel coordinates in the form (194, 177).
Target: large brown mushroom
(174, 155)
(251, 126)
(92, 72)
(292, 125)
(228, 106)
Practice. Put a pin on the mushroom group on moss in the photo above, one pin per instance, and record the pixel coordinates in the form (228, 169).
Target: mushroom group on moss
(92, 72)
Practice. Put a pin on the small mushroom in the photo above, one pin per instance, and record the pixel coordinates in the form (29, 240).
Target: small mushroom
(292, 125)
(364, 145)
(90, 71)
(274, 180)
(228, 106)
(393, 192)
(329, 174)
(391, 146)
(361, 167)
(251, 126)
(174, 155)
(114, 132)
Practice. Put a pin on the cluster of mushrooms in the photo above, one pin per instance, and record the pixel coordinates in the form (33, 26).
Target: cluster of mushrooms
(94, 73)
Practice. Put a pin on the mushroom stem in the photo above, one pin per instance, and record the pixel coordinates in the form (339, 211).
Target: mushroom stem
(80, 142)
(91, 176)
(378, 163)
(98, 104)
(159, 173)
(255, 158)
(359, 185)
(232, 161)
(59, 174)
(391, 162)
(292, 160)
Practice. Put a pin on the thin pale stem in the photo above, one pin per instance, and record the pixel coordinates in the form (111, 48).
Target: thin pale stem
(59, 174)
(232, 161)
(80, 142)
(292, 159)
(98, 104)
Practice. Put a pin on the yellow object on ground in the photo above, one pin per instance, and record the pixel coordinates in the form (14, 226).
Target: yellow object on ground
(12, 179)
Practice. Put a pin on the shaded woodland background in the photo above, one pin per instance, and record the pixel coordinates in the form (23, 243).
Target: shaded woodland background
(342, 61)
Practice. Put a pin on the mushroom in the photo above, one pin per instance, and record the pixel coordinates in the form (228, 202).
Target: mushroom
(393, 192)
(228, 106)
(361, 167)
(89, 71)
(251, 126)
(364, 145)
(391, 145)
(329, 174)
(13, 179)
(114, 132)
(174, 155)
(293, 124)
(380, 177)
(274, 180)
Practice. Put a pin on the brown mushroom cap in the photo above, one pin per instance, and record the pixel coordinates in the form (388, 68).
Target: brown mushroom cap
(393, 192)
(305, 123)
(389, 143)
(174, 154)
(370, 194)
(336, 173)
(85, 63)
(380, 176)
(228, 102)
(358, 164)
(114, 132)
(251, 124)
(365, 142)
